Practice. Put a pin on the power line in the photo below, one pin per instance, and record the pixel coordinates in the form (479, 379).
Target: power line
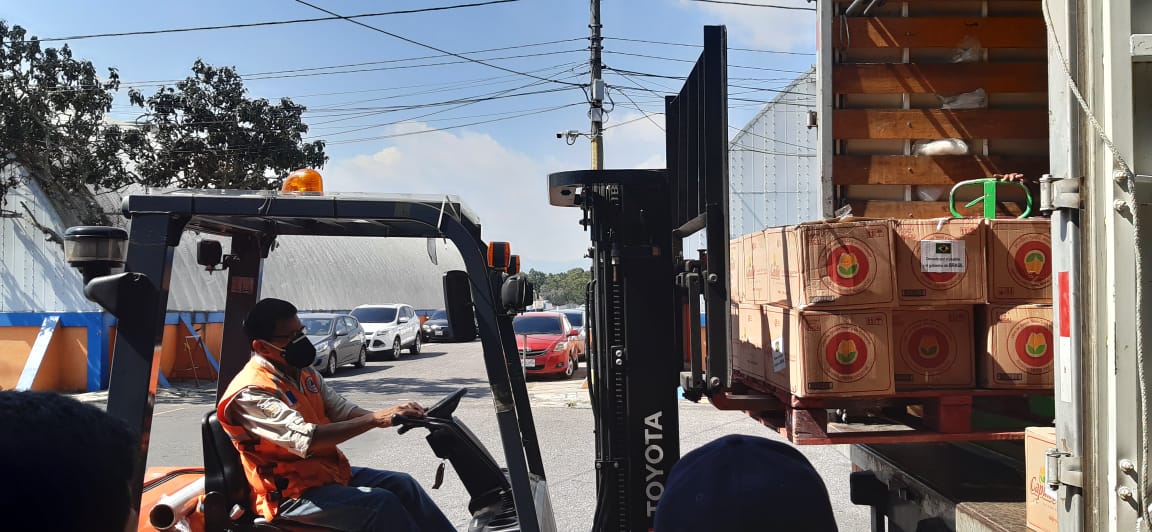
(771, 6)
(637, 106)
(757, 50)
(259, 24)
(430, 47)
(646, 56)
(458, 104)
(457, 126)
(661, 76)
(437, 56)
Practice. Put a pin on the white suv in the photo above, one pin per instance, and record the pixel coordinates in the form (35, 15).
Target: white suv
(388, 329)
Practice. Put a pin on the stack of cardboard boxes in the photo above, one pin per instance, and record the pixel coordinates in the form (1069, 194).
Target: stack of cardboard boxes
(873, 307)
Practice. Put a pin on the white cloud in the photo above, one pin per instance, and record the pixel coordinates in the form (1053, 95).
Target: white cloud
(506, 189)
(634, 141)
(760, 27)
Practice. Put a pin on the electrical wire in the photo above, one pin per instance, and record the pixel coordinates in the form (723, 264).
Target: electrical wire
(260, 24)
(457, 126)
(666, 43)
(460, 105)
(430, 47)
(647, 56)
(661, 76)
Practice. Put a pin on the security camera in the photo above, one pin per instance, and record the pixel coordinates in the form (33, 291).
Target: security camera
(559, 134)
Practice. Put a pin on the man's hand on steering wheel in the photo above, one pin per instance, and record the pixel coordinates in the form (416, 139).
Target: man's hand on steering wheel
(383, 418)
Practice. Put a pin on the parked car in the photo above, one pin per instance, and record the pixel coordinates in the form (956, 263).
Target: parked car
(436, 328)
(546, 342)
(576, 319)
(339, 340)
(389, 329)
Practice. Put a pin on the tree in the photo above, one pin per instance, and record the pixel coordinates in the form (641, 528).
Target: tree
(566, 288)
(206, 133)
(52, 124)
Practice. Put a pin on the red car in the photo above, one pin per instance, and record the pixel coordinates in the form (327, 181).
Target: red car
(547, 343)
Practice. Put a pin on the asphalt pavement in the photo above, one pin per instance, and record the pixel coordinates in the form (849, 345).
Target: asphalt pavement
(561, 409)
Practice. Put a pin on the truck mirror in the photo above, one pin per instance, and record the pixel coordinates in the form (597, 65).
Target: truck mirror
(517, 293)
(209, 254)
(458, 305)
(122, 292)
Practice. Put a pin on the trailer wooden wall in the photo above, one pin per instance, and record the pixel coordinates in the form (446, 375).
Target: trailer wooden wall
(882, 77)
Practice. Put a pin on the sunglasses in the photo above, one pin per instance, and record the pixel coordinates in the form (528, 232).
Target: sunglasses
(290, 336)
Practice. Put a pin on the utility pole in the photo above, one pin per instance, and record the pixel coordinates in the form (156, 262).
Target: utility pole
(596, 112)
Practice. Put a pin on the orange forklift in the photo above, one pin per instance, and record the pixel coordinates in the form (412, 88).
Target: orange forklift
(128, 274)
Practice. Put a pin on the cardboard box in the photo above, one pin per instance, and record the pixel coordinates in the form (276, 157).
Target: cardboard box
(1020, 261)
(841, 265)
(760, 266)
(1018, 347)
(780, 256)
(1040, 502)
(748, 347)
(846, 353)
(933, 348)
(749, 284)
(735, 270)
(941, 261)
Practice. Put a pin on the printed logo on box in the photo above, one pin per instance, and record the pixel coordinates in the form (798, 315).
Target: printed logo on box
(1031, 264)
(1031, 346)
(848, 266)
(928, 348)
(847, 353)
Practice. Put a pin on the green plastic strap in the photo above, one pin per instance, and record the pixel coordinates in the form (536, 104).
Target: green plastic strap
(989, 185)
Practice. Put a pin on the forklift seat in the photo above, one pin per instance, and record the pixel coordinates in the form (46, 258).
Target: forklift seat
(225, 486)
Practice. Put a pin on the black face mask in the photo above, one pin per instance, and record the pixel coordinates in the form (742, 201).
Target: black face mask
(300, 353)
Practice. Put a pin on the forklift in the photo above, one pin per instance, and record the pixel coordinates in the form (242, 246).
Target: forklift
(646, 302)
(128, 274)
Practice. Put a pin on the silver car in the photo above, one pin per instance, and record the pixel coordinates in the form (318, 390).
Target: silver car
(339, 340)
(389, 329)
(576, 318)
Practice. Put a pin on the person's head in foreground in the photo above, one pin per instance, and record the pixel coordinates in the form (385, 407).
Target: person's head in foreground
(67, 465)
(738, 483)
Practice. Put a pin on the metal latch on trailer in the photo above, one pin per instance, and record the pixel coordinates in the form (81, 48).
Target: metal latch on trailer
(1062, 469)
(1059, 193)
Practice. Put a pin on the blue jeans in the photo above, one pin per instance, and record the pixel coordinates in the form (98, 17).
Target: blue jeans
(373, 500)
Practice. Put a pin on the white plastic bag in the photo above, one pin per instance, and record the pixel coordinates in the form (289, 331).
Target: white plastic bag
(968, 51)
(977, 99)
(940, 147)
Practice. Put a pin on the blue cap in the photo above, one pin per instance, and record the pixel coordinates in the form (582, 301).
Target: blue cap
(740, 482)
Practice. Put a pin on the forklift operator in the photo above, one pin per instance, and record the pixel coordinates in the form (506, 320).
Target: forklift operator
(286, 423)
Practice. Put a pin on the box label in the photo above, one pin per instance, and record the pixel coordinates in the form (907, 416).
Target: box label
(779, 359)
(943, 256)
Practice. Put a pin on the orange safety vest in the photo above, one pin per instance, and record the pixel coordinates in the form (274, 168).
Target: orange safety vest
(274, 473)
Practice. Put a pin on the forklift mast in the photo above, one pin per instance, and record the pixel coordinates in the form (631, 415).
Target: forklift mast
(644, 298)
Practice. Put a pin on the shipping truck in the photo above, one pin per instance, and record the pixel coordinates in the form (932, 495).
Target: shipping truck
(917, 97)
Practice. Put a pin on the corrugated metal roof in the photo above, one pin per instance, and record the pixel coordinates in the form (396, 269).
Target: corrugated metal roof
(322, 274)
(313, 273)
(33, 274)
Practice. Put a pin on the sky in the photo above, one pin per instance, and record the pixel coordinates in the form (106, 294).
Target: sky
(402, 118)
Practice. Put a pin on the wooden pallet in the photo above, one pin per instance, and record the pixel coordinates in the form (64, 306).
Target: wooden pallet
(902, 417)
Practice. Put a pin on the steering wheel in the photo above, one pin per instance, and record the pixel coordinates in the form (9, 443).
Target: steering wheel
(443, 409)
